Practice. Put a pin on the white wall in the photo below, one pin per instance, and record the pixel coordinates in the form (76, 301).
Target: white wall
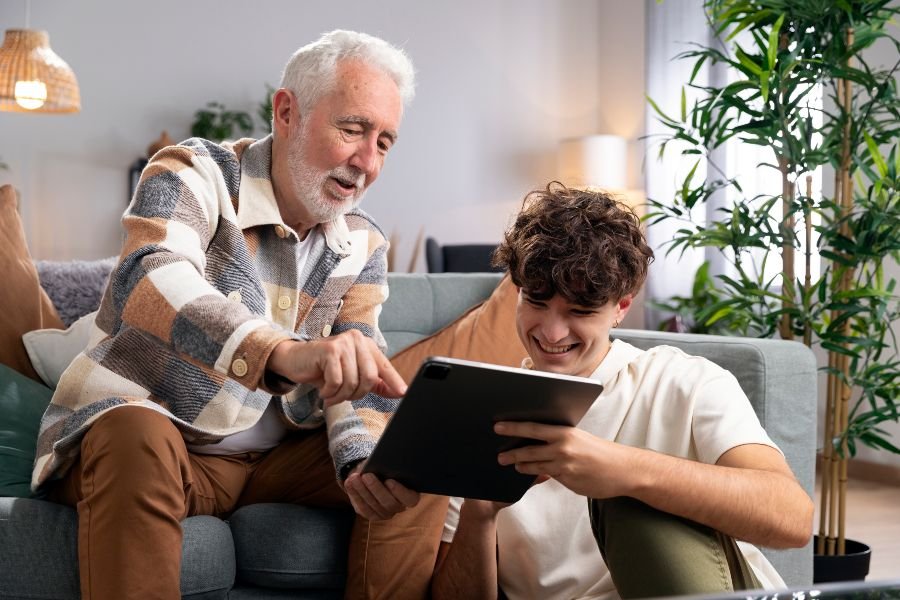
(499, 84)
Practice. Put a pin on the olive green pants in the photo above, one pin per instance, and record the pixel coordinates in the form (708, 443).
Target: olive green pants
(652, 553)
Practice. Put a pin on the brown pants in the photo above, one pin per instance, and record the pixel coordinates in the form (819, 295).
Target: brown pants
(135, 481)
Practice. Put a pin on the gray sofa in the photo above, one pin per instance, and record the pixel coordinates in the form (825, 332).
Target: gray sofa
(283, 551)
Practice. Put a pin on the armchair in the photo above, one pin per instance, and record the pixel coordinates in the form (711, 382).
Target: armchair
(458, 258)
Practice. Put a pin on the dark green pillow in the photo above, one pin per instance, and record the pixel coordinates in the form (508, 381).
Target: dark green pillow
(22, 404)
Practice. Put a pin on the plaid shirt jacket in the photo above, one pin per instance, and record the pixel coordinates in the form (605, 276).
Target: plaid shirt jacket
(206, 286)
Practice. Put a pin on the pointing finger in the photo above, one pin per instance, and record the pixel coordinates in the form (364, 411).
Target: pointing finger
(392, 385)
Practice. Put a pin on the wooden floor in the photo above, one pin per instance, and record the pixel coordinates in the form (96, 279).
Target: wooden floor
(873, 517)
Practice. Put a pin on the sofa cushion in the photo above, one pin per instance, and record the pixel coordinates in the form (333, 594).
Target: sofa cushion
(52, 350)
(487, 333)
(207, 559)
(43, 534)
(288, 546)
(22, 404)
(46, 565)
(25, 304)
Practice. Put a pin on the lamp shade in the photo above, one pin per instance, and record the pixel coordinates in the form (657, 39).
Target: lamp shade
(598, 161)
(32, 77)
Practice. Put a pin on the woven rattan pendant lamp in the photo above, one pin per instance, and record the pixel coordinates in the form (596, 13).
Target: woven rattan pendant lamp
(33, 78)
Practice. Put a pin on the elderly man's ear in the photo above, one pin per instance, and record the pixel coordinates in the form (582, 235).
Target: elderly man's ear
(284, 111)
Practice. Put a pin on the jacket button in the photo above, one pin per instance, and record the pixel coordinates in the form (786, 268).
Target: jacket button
(234, 296)
(284, 302)
(239, 367)
(326, 331)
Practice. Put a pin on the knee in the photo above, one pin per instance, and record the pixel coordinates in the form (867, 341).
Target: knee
(611, 510)
(613, 518)
(129, 433)
(624, 509)
(133, 458)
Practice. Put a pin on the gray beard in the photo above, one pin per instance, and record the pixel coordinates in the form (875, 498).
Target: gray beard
(309, 185)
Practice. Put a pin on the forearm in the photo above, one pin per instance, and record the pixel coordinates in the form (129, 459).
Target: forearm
(764, 507)
(362, 303)
(469, 567)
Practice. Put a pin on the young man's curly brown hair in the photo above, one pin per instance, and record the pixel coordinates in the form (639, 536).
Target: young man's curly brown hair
(583, 245)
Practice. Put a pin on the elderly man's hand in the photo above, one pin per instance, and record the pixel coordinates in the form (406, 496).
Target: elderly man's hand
(376, 500)
(346, 366)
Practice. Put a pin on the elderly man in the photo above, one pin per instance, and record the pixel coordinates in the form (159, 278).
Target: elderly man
(236, 356)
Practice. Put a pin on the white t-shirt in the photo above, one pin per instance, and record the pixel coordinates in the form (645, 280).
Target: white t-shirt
(269, 429)
(660, 399)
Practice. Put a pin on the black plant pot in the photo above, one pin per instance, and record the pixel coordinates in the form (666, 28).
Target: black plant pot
(851, 566)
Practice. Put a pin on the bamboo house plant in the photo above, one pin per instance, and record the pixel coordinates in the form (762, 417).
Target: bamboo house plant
(782, 51)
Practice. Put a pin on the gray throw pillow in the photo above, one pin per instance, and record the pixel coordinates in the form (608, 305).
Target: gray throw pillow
(75, 286)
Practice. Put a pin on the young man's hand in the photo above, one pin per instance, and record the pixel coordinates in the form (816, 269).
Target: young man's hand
(343, 367)
(376, 500)
(587, 465)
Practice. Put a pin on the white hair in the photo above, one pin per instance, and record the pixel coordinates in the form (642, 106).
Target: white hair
(311, 71)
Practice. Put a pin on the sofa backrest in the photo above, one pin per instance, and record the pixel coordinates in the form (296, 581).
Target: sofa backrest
(419, 305)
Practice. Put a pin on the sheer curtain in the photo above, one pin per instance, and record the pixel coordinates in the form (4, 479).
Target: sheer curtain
(672, 26)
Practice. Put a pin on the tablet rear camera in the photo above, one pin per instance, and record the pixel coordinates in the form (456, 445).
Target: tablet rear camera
(436, 371)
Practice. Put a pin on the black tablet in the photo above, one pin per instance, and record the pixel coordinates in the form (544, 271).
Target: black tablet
(441, 439)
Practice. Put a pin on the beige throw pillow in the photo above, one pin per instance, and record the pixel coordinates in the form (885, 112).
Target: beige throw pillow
(486, 333)
(52, 350)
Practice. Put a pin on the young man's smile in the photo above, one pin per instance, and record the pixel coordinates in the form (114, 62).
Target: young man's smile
(552, 349)
(566, 338)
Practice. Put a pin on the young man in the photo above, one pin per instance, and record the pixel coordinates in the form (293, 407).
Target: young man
(671, 458)
(236, 356)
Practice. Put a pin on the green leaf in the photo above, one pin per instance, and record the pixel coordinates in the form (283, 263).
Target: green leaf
(838, 349)
(875, 154)
(683, 105)
(701, 279)
(686, 185)
(878, 442)
(746, 22)
(772, 52)
(697, 66)
(659, 110)
(747, 62)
